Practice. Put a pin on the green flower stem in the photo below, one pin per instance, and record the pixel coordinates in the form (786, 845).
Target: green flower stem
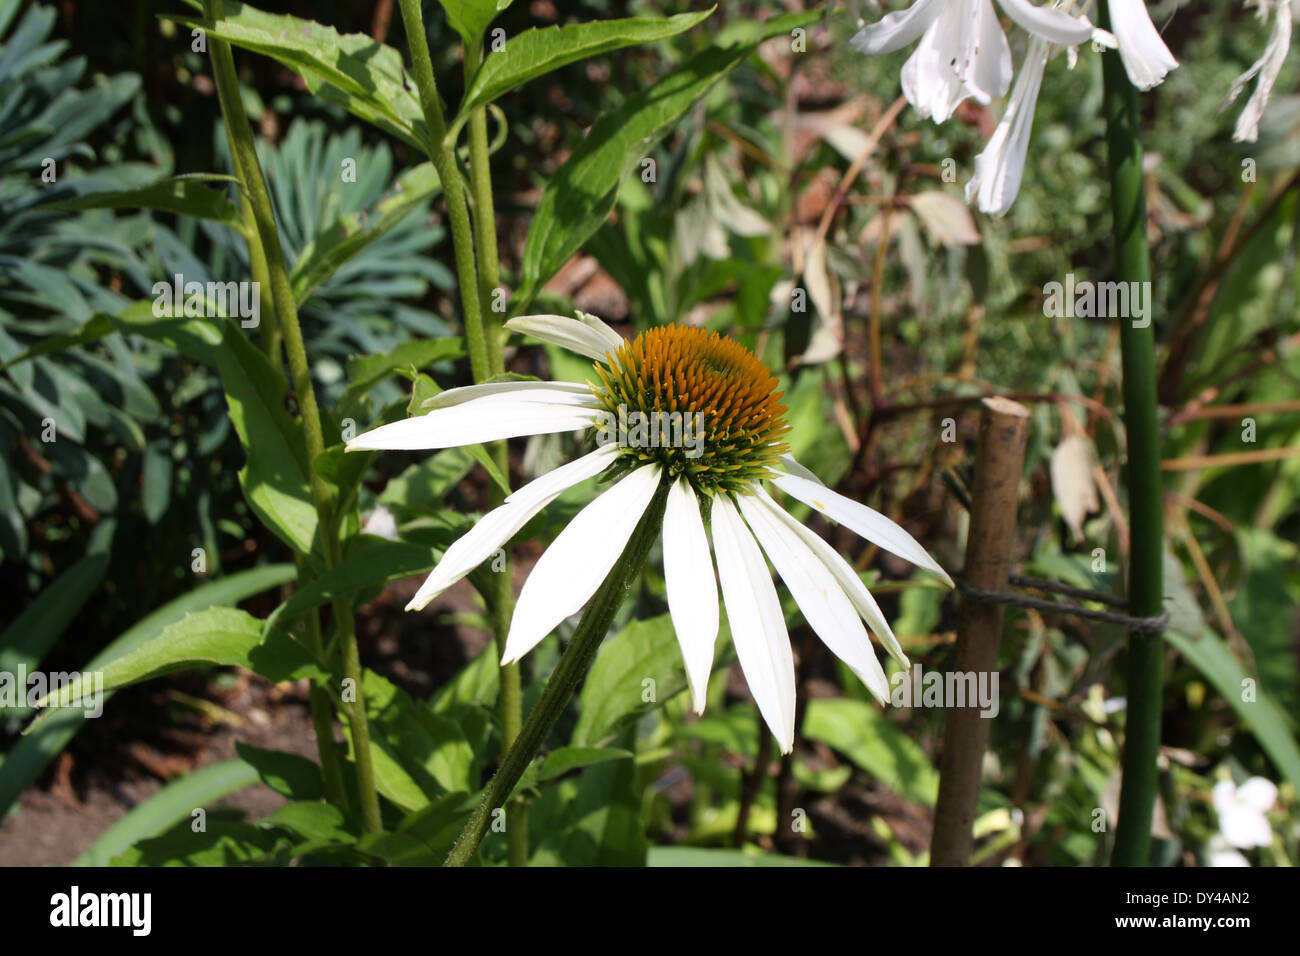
(1142, 471)
(286, 310)
(509, 698)
(566, 677)
(443, 156)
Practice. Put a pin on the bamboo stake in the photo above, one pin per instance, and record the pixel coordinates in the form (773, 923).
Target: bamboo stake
(1004, 430)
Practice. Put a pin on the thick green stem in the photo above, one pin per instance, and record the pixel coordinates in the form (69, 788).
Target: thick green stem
(244, 154)
(443, 156)
(565, 679)
(1142, 471)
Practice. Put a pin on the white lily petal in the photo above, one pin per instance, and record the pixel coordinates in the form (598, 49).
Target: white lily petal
(469, 393)
(1267, 67)
(481, 420)
(1245, 828)
(1001, 166)
(1258, 793)
(931, 81)
(692, 587)
(578, 560)
(819, 596)
(502, 523)
(863, 601)
(757, 624)
(861, 520)
(989, 53)
(896, 30)
(587, 335)
(1146, 58)
(1050, 23)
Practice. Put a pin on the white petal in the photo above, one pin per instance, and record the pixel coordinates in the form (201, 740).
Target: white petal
(1224, 795)
(856, 591)
(468, 393)
(1146, 58)
(492, 418)
(757, 624)
(989, 75)
(586, 335)
(1267, 67)
(861, 520)
(793, 467)
(1000, 167)
(896, 30)
(692, 587)
(931, 82)
(819, 596)
(1258, 793)
(1245, 828)
(578, 560)
(1049, 22)
(502, 523)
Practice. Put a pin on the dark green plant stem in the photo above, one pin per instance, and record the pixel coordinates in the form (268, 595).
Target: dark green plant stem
(510, 695)
(566, 677)
(443, 156)
(1142, 471)
(244, 153)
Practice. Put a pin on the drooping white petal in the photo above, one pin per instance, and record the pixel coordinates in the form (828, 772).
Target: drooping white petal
(861, 520)
(586, 335)
(863, 601)
(502, 523)
(819, 596)
(896, 30)
(1146, 58)
(757, 624)
(962, 53)
(469, 393)
(788, 463)
(1267, 67)
(989, 53)
(578, 560)
(491, 418)
(1052, 23)
(1000, 167)
(692, 587)
(1258, 793)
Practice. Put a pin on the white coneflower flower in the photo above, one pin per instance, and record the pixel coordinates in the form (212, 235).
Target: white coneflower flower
(707, 382)
(963, 52)
(1146, 58)
(1241, 810)
(1267, 68)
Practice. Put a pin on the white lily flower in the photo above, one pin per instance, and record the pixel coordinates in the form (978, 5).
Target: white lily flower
(730, 396)
(1242, 810)
(1267, 68)
(963, 52)
(1220, 852)
(1146, 58)
(1001, 166)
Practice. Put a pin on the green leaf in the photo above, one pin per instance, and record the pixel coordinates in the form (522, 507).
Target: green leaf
(94, 328)
(613, 689)
(290, 775)
(582, 193)
(351, 235)
(470, 18)
(310, 821)
(226, 841)
(539, 51)
(861, 732)
(34, 631)
(364, 77)
(602, 824)
(183, 195)
(1208, 653)
(25, 761)
(367, 371)
(474, 686)
(417, 753)
(174, 803)
(370, 563)
(219, 635)
(425, 837)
